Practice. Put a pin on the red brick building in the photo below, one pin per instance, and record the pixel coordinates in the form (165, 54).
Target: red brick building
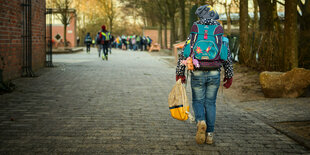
(58, 29)
(11, 40)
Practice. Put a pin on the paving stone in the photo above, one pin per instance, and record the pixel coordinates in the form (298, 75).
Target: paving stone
(88, 106)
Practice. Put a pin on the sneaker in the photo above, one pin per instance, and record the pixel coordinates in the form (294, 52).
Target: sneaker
(201, 132)
(103, 57)
(106, 57)
(209, 139)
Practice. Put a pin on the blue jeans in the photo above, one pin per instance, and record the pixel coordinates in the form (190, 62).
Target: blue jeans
(104, 48)
(205, 85)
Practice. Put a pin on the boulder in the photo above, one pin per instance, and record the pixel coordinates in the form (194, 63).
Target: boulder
(289, 84)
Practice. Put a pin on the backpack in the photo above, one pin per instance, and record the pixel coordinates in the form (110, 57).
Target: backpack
(105, 36)
(133, 41)
(178, 102)
(206, 47)
(144, 40)
(88, 39)
(98, 39)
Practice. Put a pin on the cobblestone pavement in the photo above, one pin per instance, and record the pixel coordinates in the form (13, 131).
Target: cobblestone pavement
(88, 106)
(290, 116)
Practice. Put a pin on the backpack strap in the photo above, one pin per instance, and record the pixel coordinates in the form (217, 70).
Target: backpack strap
(218, 32)
(194, 34)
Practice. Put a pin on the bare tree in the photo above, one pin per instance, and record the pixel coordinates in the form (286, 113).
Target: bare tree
(171, 6)
(243, 31)
(275, 17)
(182, 25)
(227, 5)
(64, 14)
(110, 11)
(291, 50)
(304, 22)
(255, 22)
(164, 15)
(210, 2)
(266, 17)
(305, 14)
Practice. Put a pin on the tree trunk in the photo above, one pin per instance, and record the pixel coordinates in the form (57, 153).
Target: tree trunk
(266, 19)
(160, 35)
(304, 37)
(165, 30)
(111, 17)
(253, 49)
(65, 35)
(276, 21)
(182, 26)
(176, 28)
(305, 20)
(243, 31)
(255, 24)
(192, 16)
(210, 2)
(291, 51)
(172, 30)
(227, 11)
(111, 24)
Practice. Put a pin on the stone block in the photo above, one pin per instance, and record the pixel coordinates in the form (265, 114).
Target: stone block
(289, 84)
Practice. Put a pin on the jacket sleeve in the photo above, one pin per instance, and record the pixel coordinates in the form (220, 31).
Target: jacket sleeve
(180, 70)
(228, 66)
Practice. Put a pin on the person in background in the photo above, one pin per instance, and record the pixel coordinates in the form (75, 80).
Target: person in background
(138, 42)
(129, 42)
(105, 38)
(118, 42)
(88, 42)
(98, 43)
(149, 41)
(110, 44)
(133, 42)
(124, 42)
(93, 42)
(144, 42)
(78, 40)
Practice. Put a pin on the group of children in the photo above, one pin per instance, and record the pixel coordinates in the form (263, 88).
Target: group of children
(133, 43)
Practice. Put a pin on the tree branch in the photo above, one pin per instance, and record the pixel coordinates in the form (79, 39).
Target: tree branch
(281, 3)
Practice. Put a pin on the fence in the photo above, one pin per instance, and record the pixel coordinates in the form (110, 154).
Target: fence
(49, 38)
(27, 39)
(266, 50)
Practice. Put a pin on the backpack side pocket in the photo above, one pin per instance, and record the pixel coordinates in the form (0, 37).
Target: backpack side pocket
(224, 48)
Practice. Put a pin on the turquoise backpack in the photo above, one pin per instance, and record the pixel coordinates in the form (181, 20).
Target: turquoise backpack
(208, 49)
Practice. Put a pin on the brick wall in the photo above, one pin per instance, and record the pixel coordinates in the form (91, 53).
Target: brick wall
(11, 20)
(153, 33)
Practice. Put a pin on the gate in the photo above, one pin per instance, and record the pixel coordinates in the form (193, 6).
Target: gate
(49, 38)
(27, 39)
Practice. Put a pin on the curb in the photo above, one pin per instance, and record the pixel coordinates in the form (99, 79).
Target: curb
(67, 50)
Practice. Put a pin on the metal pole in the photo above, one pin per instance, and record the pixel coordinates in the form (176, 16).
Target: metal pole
(51, 42)
(24, 38)
(30, 37)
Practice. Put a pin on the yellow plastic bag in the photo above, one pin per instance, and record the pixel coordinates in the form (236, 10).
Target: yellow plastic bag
(178, 102)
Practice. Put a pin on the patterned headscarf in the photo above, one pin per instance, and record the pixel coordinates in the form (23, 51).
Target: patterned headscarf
(207, 12)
